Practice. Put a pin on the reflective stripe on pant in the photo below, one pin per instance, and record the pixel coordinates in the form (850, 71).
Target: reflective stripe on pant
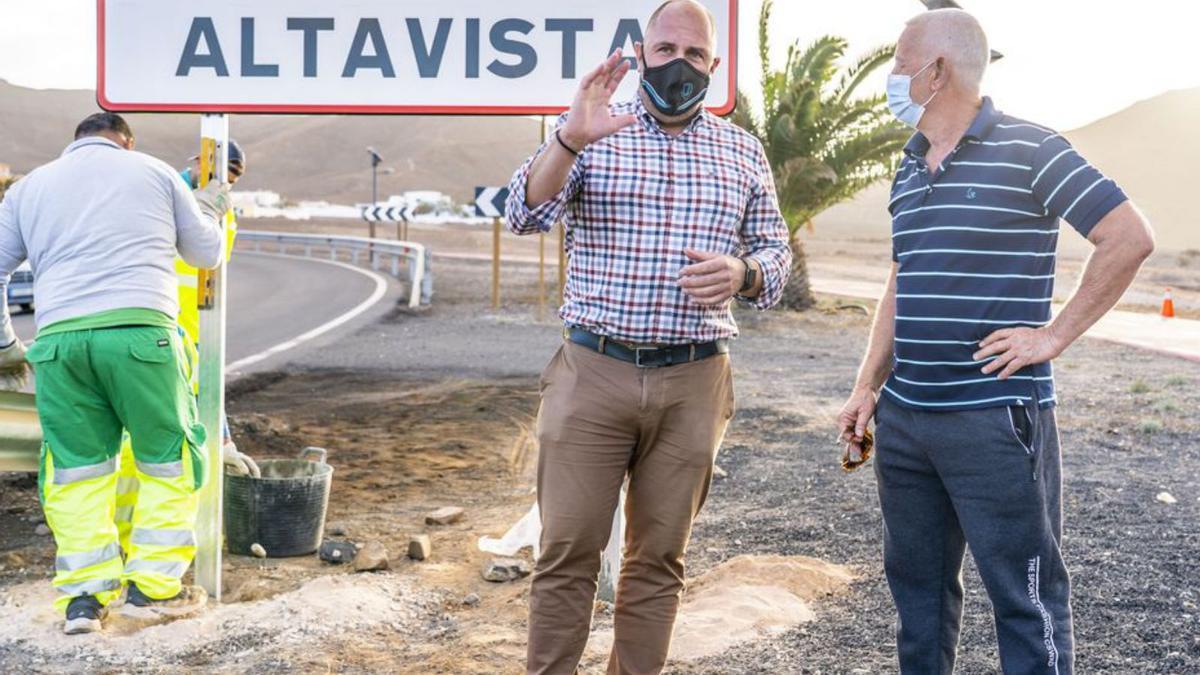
(91, 384)
(79, 504)
(127, 493)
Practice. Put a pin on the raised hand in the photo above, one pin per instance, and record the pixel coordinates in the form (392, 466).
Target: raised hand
(590, 119)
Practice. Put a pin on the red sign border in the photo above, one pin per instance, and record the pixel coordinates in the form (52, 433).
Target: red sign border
(243, 108)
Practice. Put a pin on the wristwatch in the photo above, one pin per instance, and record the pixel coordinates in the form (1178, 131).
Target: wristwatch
(751, 277)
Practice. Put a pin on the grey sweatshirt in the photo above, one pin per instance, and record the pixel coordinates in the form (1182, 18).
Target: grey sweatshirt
(100, 227)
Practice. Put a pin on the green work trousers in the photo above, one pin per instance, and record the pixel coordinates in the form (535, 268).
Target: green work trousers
(92, 384)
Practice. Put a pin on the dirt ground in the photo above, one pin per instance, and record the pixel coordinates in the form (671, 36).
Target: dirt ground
(439, 413)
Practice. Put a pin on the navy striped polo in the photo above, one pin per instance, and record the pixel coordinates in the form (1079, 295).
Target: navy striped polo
(975, 244)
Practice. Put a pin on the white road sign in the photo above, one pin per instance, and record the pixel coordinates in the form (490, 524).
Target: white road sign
(373, 56)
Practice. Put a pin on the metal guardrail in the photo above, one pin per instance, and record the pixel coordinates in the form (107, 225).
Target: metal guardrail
(416, 258)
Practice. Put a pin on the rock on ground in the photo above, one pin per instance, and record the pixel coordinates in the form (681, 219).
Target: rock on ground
(500, 570)
(447, 515)
(419, 546)
(373, 557)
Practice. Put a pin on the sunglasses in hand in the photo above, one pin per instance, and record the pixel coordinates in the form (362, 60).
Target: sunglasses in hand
(857, 454)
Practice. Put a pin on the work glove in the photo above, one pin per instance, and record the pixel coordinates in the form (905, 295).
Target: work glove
(238, 464)
(14, 369)
(214, 200)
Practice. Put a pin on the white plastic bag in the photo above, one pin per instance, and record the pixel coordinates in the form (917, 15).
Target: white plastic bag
(526, 532)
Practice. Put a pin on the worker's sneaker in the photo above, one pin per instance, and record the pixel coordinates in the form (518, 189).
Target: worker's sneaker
(189, 600)
(84, 615)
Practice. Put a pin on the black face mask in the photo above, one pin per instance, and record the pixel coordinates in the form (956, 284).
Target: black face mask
(675, 87)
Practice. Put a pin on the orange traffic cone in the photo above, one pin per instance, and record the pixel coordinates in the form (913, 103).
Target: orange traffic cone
(1168, 307)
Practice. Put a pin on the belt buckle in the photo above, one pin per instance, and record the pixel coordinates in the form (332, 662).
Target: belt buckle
(637, 356)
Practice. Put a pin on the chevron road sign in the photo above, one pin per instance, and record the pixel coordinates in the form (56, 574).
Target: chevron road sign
(385, 214)
(489, 201)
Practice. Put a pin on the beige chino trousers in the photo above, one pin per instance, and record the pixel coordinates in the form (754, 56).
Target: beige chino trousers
(601, 420)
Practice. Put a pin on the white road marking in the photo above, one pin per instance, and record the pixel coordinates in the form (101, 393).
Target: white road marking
(381, 286)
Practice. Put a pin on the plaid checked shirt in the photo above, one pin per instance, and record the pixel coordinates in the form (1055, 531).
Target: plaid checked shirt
(634, 201)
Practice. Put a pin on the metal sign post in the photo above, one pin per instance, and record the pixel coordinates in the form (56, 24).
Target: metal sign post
(376, 160)
(214, 141)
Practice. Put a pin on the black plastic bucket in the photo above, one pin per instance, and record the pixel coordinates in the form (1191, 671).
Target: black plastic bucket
(284, 511)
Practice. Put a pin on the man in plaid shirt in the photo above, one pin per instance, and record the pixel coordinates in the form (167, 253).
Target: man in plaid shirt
(670, 213)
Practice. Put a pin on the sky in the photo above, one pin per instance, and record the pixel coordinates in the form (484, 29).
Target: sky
(1067, 62)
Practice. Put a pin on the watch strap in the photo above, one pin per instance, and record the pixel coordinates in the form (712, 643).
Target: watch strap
(750, 278)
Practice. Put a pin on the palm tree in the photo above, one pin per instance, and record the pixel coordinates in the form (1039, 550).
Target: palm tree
(825, 144)
(6, 183)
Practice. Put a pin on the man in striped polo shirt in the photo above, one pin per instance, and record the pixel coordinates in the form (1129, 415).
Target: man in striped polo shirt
(968, 449)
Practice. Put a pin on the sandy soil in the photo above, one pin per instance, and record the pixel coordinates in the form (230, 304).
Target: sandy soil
(438, 411)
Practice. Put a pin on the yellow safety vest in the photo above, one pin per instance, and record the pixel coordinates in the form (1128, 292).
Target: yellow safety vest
(188, 276)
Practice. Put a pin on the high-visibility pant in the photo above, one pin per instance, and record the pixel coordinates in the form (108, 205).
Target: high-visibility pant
(127, 480)
(91, 384)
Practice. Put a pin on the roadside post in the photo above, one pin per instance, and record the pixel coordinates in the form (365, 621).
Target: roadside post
(562, 261)
(489, 203)
(369, 57)
(496, 263)
(541, 303)
(541, 306)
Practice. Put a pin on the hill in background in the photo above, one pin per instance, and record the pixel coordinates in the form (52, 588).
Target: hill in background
(303, 158)
(1148, 148)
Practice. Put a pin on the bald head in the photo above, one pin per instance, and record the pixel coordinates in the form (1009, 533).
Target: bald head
(951, 35)
(688, 13)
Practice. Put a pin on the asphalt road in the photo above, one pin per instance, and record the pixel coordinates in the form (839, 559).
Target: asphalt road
(272, 300)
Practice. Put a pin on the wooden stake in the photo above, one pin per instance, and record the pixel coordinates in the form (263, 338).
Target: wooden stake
(496, 263)
(562, 261)
(541, 310)
(541, 303)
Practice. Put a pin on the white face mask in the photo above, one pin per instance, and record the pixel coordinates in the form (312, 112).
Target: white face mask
(899, 97)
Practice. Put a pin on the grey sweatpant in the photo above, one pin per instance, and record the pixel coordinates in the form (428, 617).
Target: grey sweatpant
(989, 479)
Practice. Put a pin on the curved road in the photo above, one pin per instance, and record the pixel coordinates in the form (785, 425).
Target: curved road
(272, 300)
